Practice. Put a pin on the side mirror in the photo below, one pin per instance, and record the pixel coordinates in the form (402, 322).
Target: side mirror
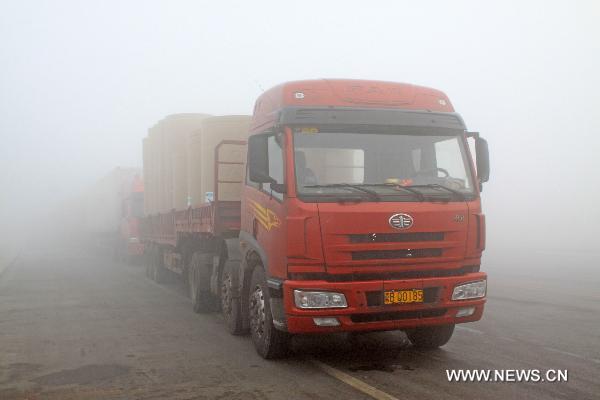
(258, 160)
(483, 159)
(278, 187)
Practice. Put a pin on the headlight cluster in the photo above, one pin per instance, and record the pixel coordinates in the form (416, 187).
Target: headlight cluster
(471, 290)
(308, 299)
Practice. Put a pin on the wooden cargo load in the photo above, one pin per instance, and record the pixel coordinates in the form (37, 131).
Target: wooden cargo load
(219, 141)
(165, 153)
(213, 152)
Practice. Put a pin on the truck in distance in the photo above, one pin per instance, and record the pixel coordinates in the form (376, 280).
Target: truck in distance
(354, 206)
(111, 209)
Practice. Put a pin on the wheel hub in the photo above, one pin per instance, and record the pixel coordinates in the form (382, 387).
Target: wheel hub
(226, 294)
(257, 312)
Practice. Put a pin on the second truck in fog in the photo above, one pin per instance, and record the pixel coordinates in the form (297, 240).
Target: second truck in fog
(340, 205)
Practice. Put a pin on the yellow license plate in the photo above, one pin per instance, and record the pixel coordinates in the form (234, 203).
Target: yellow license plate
(403, 296)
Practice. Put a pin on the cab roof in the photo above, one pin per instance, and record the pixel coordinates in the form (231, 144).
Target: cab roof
(346, 93)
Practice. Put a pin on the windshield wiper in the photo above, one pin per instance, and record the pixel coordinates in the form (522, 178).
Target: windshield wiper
(438, 186)
(372, 193)
(405, 188)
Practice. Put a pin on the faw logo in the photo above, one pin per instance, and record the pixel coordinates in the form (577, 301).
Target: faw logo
(401, 221)
(266, 217)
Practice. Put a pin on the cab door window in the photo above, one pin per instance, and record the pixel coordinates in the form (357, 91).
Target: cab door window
(276, 170)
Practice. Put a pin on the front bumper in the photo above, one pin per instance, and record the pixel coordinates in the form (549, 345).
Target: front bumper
(363, 314)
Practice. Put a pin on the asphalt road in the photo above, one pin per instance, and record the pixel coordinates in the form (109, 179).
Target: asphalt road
(77, 326)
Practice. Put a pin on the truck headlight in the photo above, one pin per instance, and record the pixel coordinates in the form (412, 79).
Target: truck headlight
(310, 299)
(471, 290)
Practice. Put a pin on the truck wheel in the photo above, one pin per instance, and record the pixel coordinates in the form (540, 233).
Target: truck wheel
(430, 337)
(230, 298)
(199, 283)
(148, 262)
(158, 270)
(269, 342)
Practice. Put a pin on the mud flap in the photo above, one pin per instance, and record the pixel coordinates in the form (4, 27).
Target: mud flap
(276, 303)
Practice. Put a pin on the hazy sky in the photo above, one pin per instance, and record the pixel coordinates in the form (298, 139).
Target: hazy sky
(81, 81)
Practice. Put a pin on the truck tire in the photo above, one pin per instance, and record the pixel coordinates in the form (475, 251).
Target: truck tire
(269, 342)
(430, 337)
(159, 272)
(148, 262)
(199, 283)
(231, 307)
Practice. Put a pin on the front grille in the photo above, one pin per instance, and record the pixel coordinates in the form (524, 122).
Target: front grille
(397, 315)
(386, 276)
(397, 237)
(392, 254)
(375, 298)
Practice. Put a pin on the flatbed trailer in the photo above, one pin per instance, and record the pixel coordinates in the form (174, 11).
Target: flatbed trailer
(187, 241)
(220, 218)
(215, 218)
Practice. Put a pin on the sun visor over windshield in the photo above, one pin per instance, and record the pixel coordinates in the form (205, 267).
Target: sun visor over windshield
(369, 116)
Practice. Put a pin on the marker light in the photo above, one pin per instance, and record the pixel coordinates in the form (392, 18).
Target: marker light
(326, 321)
(465, 312)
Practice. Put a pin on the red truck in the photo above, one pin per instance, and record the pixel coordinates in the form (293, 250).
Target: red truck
(129, 247)
(111, 209)
(359, 210)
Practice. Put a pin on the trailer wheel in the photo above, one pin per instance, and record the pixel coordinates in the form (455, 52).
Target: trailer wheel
(148, 262)
(269, 342)
(230, 298)
(159, 273)
(199, 283)
(430, 337)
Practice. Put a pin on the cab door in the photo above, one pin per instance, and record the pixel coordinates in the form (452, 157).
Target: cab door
(263, 207)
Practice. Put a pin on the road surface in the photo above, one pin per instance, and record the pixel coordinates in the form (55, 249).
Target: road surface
(74, 325)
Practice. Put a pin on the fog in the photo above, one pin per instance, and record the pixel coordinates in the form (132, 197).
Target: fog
(81, 82)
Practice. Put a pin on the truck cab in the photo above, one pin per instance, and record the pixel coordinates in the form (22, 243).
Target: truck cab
(360, 211)
(132, 209)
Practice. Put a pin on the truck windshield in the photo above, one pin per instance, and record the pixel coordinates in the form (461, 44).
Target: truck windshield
(393, 166)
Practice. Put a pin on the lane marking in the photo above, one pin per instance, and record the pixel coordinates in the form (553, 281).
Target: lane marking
(552, 349)
(476, 331)
(507, 339)
(8, 265)
(354, 382)
(568, 353)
